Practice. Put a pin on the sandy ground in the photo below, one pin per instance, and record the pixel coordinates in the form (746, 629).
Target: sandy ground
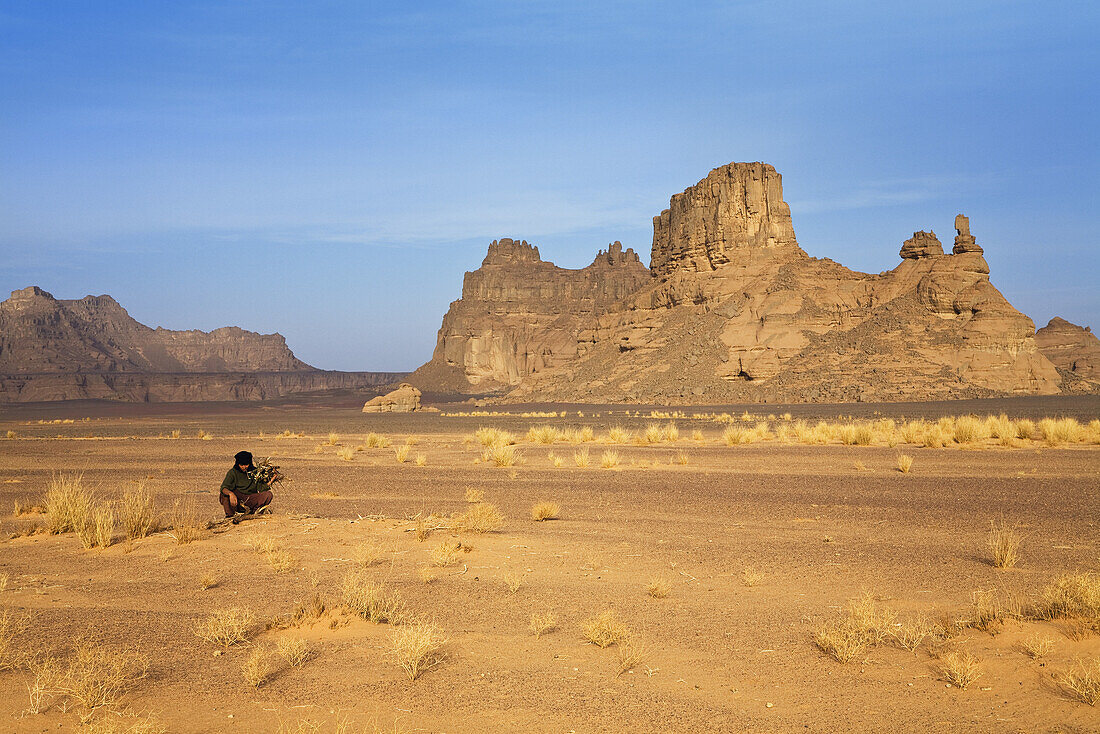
(820, 524)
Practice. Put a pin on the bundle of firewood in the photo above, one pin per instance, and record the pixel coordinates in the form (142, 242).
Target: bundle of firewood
(266, 472)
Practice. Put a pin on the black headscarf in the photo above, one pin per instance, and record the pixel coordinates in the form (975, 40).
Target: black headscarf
(243, 457)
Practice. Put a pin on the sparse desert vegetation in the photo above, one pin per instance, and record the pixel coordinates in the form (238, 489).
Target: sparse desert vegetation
(545, 510)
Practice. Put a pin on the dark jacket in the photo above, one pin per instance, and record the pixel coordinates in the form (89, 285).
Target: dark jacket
(239, 482)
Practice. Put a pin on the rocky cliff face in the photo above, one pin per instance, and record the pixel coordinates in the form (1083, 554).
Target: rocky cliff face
(1074, 350)
(519, 315)
(733, 309)
(52, 349)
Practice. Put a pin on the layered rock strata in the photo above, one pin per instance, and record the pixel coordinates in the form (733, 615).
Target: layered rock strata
(54, 349)
(1074, 350)
(733, 309)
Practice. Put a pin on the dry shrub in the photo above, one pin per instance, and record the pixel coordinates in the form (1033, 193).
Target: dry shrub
(1081, 681)
(417, 647)
(912, 632)
(137, 512)
(99, 676)
(988, 614)
(483, 517)
(555, 460)
(1092, 431)
(960, 668)
(545, 511)
(697, 435)
(124, 723)
(421, 459)
(305, 611)
(282, 561)
(604, 629)
(295, 650)
(580, 458)
(633, 651)
(401, 453)
(609, 459)
(68, 503)
(905, 463)
(258, 667)
(1002, 428)
(347, 453)
(333, 439)
(935, 437)
(368, 553)
(840, 640)
(494, 437)
(913, 432)
(970, 429)
(545, 434)
(446, 553)
(856, 434)
(227, 627)
(1036, 646)
(12, 626)
(1004, 544)
(513, 582)
(501, 455)
(618, 434)
(1026, 429)
(1071, 596)
(377, 441)
(12, 434)
(867, 624)
(1056, 432)
(371, 600)
(737, 435)
(204, 435)
(653, 433)
(427, 574)
(751, 577)
(658, 587)
(542, 623)
(186, 521)
(209, 581)
(474, 496)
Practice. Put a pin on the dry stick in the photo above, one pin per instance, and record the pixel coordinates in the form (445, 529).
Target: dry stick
(689, 576)
(465, 568)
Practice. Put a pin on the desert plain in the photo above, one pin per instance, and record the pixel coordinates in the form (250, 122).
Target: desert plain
(724, 568)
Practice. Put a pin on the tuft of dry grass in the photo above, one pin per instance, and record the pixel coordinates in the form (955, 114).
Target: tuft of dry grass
(209, 581)
(68, 503)
(1081, 680)
(186, 521)
(618, 434)
(421, 459)
(333, 439)
(1074, 596)
(501, 455)
(580, 458)
(446, 553)
(514, 581)
(417, 647)
(281, 561)
(912, 632)
(604, 629)
(960, 668)
(103, 522)
(491, 437)
(1036, 646)
(841, 641)
(751, 577)
(610, 459)
(401, 453)
(427, 574)
(294, 650)
(542, 623)
(867, 624)
(1004, 544)
(99, 676)
(12, 626)
(203, 435)
(368, 553)
(12, 434)
(347, 453)
(137, 512)
(227, 627)
(1058, 431)
(633, 651)
(371, 600)
(483, 517)
(545, 511)
(474, 496)
(905, 463)
(970, 429)
(258, 667)
(658, 587)
(377, 441)
(737, 435)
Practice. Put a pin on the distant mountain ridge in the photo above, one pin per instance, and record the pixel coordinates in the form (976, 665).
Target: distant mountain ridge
(56, 349)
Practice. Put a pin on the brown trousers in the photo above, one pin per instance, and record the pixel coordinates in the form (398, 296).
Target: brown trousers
(245, 502)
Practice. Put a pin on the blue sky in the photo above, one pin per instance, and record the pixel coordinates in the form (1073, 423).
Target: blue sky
(329, 170)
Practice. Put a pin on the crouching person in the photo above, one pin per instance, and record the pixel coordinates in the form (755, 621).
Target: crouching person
(241, 492)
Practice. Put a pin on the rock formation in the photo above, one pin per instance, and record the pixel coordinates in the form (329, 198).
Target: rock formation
(405, 399)
(732, 309)
(1074, 350)
(52, 349)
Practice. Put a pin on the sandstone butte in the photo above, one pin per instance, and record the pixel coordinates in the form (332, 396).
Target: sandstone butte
(732, 309)
(52, 349)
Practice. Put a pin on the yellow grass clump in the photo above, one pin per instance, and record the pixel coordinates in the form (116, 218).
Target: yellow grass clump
(401, 453)
(493, 437)
(68, 503)
(421, 459)
(545, 511)
(751, 577)
(542, 623)
(227, 627)
(604, 629)
(1056, 432)
(186, 521)
(333, 439)
(501, 455)
(935, 437)
(1004, 544)
(1071, 596)
(1026, 429)
(682, 458)
(545, 434)
(209, 581)
(910, 633)
(609, 459)
(633, 651)
(737, 435)
(294, 650)
(618, 434)
(446, 553)
(1081, 681)
(371, 600)
(960, 668)
(12, 626)
(905, 463)
(417, 647)
(347, 453)
(137, 512)
(1036, 646)
(970, 429)
(377, 441)
(204, 435)
(474, 495)
(513, 582)
(99, 676)
(658, 587)
(482, 517)
(257, 667)
(580, 458)
(867, 624)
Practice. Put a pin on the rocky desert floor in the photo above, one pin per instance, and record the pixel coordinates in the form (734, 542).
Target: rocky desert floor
(749, 551)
